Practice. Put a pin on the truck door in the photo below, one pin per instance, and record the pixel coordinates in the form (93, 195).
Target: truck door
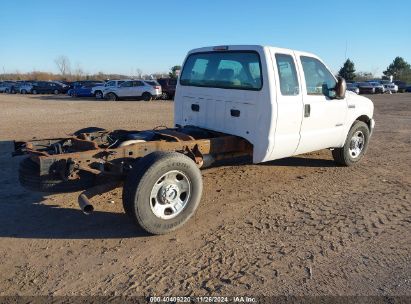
(324, 116)
(289, 104)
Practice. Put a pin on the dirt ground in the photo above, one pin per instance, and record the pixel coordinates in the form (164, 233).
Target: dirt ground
(297, 226)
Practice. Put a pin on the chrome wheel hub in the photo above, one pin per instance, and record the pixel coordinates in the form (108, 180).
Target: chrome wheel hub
(170, 195)
(357, 144)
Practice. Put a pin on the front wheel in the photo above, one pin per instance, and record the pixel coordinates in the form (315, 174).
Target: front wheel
(56, 92)
(98, 95)
(355, 145)
(162, 191)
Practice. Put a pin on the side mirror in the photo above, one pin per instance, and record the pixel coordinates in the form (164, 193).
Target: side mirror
(340, 88)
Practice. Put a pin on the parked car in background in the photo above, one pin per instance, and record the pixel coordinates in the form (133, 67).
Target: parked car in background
(353, 87)
(46, 87)
(156, 86)
(402, 86)
(408, 89)
(133, 89)
(26, 87)
(168, 87)
(366, 88)
(83, 89)
(379, 88)
(65, 87)
(391, 87)
(97, 91)
(6, 86)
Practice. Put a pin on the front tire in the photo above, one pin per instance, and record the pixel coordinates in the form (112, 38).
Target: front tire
(355, 145)
(98, 95)
(162, 191)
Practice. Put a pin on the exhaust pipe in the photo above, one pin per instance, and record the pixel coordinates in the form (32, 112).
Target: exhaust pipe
(84, 198)
(85, 204)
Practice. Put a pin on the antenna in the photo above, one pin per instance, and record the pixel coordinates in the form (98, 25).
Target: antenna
(346, 48)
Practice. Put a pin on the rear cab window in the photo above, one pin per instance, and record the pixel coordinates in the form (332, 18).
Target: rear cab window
(287, 74)
(239, 70)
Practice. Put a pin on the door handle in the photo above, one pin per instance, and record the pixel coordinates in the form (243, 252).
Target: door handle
(307, 110)
(195, 107)
(235, 113)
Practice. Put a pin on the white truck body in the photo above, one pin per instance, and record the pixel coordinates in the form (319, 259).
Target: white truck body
(278, 122)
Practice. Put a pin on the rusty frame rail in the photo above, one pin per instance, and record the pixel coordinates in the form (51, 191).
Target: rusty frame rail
(114, 161)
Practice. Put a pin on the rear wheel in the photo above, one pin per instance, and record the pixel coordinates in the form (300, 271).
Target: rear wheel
(29, 177)
(147, 96)
(162, 191)
(111, 96)
(23, 91)
(56, 92)
(355, 145)
(34, 91)
(165, 96)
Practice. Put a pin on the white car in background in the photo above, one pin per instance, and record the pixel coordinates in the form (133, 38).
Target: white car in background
(391, 87)
(97, 91)
(134, 89)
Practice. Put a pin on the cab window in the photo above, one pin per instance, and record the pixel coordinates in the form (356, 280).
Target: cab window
(287, 74)
(318, 79)
(239, 70)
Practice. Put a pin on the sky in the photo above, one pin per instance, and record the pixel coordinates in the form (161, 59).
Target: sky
(152, 36)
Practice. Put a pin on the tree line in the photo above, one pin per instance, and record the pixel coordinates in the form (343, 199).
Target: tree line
(399, 69)
(66, 73)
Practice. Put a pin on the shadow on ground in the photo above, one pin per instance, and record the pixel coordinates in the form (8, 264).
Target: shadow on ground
(26, 214)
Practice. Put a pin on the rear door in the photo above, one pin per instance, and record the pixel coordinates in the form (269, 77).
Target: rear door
(324, 116)
(138, 88)
(289, 104)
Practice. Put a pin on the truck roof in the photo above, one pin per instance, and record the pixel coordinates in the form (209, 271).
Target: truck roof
(247, 47)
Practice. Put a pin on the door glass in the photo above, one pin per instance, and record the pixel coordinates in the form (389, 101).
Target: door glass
(318, 79)
(287, 75)
(126, 84)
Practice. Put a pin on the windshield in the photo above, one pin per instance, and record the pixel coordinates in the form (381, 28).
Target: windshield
(227, 70)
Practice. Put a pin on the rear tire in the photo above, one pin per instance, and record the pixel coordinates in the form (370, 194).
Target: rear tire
(56, 92)
(165, 96)
(23, 91)
(29, 177)
(162, 191)
(147, 96)
(355, 145)
(111, 96)
(34, 92)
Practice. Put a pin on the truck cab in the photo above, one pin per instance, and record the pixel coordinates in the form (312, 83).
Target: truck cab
(284, 102)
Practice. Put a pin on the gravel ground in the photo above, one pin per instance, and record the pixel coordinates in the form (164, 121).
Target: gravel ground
(297, 226)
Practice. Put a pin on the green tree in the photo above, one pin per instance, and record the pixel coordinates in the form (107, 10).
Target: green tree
(399, 69)
(347, 71)
(174, 71)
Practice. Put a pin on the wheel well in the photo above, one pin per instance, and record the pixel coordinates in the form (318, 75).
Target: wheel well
(366, 119)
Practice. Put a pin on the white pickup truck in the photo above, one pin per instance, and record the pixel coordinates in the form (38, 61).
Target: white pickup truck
(244, 100)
